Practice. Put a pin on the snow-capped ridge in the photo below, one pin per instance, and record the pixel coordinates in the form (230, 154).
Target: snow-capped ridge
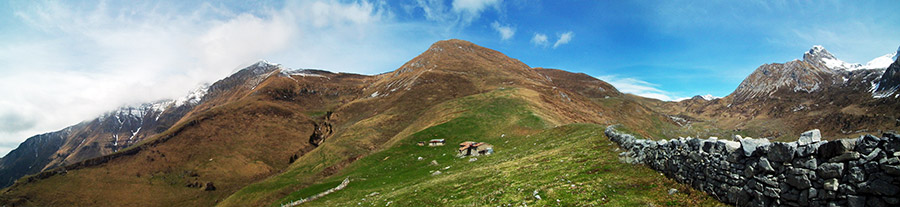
(880, 62)
(819, 54)
(194, 96)
(265, 63)
(258, 68)
(300, 72)
(709, 97)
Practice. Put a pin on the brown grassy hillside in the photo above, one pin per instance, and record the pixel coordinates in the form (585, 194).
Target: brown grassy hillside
(285, 130)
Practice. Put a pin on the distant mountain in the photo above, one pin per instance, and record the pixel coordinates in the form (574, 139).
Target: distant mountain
(819, 91)
(112, 131)
(115, 130)
(818, 71)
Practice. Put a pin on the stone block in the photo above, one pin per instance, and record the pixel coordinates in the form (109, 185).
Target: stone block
(845, 157)
(765, 165)
(830, 170)
(831, 184)
(809, 137)
(800, 181)
(867, 143)
(751, 145)
(835, 147)
(891, 169)
(856, 175)
(781, 152)
(856, 201)
(879, 187)
(892, 142)
(874, 155)
(730, 146)
(806, 162)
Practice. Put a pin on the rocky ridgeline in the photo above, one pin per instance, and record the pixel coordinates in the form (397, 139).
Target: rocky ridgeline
(754, 172)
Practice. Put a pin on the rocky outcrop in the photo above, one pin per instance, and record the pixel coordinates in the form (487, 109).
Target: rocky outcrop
(750, 172)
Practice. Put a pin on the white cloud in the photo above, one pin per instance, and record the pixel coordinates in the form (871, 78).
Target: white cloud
(471, 9)
(540, 40)
(74, 62)
(564, 38)
(638, 87)
(434, 10)
(506, 31)
(461, 13)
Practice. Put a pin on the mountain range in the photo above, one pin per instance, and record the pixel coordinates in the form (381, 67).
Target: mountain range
(268, 135)
(820, 91)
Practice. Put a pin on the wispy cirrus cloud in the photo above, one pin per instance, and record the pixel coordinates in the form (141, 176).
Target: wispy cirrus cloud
(564, 38)
(506, 31)
(459, 14)
(471, 9)
(540, 39)
(639, 87)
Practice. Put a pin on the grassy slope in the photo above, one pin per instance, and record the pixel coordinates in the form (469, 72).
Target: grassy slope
(157, 175)
(572, 163)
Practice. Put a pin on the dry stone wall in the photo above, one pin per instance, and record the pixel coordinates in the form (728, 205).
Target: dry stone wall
(755, 172)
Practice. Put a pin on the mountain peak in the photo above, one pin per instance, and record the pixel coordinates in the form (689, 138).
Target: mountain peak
(456, 54)
(451, 42)
(818, 55)
(454, 46)
(818, 52)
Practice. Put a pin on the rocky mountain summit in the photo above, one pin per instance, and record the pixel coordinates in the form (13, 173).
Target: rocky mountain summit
(819, 71)
(819, 91)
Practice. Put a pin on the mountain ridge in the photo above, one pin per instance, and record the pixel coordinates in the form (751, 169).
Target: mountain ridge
(114, 130)
(316, 123)
(267, 134)
(808, 93)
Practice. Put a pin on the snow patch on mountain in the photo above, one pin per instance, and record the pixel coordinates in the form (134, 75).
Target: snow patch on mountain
(194, 96)
(710, 97)
(833, 63)
(880, 62)
(299, 72)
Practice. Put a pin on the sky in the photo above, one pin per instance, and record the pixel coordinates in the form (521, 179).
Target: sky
(63, 62)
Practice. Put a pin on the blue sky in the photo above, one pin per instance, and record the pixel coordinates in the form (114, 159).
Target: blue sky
(64, 62)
